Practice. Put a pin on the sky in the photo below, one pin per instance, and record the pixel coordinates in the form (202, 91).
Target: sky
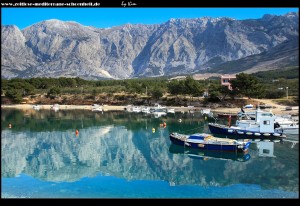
(109, 17)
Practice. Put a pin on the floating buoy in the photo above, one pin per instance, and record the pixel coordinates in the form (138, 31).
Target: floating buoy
(276, 134)
(266, 140)
(257, 134)
(205, 117)
(165, 124)
(266, 134)
(153, 130)
(180, 120)
(240, 132)
(230, 130)
(9, 125)
(249, 133)
(76, 132)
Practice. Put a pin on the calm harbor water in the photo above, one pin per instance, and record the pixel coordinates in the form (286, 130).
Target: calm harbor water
(118, 155)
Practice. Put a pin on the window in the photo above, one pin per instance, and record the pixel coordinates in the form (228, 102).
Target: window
(267, 122)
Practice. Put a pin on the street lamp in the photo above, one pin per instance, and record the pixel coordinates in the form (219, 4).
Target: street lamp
(287, 92)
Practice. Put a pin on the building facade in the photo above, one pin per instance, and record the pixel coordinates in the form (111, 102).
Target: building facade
(225, 80)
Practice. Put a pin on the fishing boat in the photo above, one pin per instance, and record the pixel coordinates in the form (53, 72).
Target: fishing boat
(208, 142)
(263, 127)
(288, 125)
(194, 153)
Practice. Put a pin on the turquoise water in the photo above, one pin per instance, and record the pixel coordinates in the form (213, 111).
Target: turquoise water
(117, 155)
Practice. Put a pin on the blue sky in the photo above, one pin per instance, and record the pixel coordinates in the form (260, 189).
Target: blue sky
(108, 17)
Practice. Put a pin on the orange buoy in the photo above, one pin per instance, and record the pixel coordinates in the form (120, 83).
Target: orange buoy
(77, 132)
(165, 124)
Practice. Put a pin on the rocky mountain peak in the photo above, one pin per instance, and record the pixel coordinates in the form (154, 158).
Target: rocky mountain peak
(66, 48)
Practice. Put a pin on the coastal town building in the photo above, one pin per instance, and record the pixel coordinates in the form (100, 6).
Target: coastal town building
(225, 80)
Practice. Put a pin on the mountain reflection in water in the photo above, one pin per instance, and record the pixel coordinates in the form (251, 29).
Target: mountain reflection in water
(43, 145)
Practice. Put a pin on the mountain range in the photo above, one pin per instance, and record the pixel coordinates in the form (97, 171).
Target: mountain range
(55, 48)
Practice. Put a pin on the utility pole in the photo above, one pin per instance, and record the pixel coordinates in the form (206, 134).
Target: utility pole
(287, 93)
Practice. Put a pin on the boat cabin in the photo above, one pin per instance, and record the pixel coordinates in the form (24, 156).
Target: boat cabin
(263, 120)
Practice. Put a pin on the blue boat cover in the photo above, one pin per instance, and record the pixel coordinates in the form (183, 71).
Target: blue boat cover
(198, 136)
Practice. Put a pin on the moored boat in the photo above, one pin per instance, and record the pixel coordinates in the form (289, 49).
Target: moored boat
(208, 142)
(36, 107)
(97, 108)
(264, 127)
(55, 107)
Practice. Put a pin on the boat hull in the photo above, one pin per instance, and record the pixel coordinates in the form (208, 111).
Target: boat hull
(291, 130)
(241, 133)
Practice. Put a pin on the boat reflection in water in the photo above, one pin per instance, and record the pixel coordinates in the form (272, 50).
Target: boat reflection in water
(265, 149)
(208, 154)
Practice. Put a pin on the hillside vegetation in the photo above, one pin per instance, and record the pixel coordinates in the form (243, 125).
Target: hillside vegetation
(147, 91)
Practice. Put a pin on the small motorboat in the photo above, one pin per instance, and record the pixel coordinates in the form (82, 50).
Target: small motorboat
(248, 106)
(209, 142)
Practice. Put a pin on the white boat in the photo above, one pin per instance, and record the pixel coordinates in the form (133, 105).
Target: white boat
(36, 107)
(291, 129)
(288, 125)
(55, 107)
(132, 108)
(136, 109)
(263, 127)
(128, 107)
(171, 110)
(205, 111)
(248, 106)
(158, 108)
(146, 110)
(97, 108)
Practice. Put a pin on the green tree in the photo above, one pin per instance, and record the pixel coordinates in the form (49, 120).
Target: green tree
(15, 95)
(156, 93)
(53, 92)
(94, 93)
(192, 87)
(247, 85)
